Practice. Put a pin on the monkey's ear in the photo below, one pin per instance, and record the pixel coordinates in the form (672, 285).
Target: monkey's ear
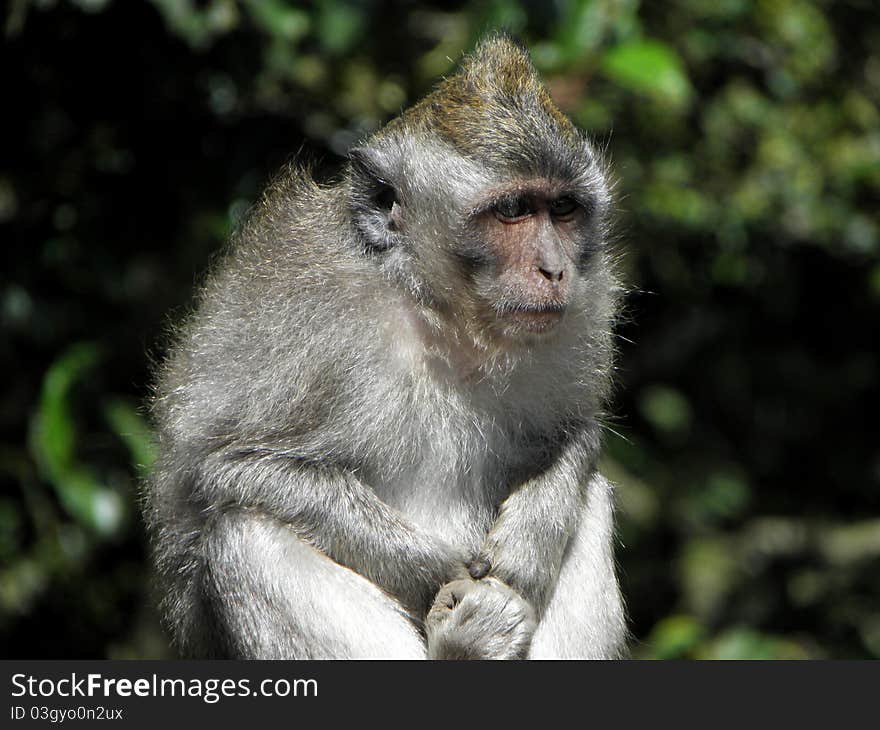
(375, 206)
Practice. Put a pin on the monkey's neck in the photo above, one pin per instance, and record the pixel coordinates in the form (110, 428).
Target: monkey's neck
(449, 344)
(456, 346)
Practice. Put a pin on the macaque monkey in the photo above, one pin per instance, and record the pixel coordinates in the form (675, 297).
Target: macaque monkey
(379, 428)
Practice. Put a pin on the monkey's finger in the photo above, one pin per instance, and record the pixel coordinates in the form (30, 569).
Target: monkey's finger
(479, 567)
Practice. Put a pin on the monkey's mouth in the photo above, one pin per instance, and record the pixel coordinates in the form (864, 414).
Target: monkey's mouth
(536, 318)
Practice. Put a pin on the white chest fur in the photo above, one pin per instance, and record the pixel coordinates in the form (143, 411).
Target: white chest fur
(448, 490)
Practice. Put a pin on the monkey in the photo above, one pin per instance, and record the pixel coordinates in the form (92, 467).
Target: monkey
(379, 427)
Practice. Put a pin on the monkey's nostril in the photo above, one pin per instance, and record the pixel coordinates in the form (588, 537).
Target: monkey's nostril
(551, 275)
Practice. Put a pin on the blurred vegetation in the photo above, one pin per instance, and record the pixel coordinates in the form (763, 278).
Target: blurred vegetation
(746, 139)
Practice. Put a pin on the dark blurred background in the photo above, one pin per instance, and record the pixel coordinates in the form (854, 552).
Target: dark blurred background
(746, 140)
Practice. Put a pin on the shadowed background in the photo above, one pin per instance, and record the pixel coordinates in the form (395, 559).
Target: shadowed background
(746, 141)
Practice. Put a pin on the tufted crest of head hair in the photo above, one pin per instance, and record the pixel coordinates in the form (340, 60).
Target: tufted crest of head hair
(495, 109)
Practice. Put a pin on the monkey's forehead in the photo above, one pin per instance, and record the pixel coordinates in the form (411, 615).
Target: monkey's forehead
(430, 167)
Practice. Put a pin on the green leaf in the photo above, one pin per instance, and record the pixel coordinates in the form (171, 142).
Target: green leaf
(674, 636)
(199, 26)
(744, 643)
(133, 429)
(338, 26)
(53, 445)
(279, 20)
(666, 409)
(708, 572)
(54, 433)
(582, 26)
(649, 67)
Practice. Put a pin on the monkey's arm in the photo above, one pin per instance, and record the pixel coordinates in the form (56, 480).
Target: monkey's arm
(525, 546)
(343, 518)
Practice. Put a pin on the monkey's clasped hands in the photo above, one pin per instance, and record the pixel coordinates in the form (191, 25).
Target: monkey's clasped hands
(479, 619)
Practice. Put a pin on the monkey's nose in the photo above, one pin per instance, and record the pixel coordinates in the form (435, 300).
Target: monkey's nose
(551, 274)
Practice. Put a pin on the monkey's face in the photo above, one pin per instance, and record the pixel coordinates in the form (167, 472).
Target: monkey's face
(528, 244)
(506, 254)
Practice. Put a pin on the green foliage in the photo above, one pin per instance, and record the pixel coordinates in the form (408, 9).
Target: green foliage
(53, 443)
(666, 409)
(674, 637)
(746, 141)
(130, 426)
(651, 68)
(683, 637)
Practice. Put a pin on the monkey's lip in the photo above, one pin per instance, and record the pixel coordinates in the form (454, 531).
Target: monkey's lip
(538, 318)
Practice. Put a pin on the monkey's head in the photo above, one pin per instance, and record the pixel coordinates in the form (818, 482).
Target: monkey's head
(486, 203)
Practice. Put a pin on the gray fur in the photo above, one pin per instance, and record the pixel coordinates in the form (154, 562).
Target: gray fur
(339, 437)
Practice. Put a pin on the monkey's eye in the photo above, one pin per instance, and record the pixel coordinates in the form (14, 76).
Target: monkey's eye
(563, 207)
(511, 208)
(386, 197)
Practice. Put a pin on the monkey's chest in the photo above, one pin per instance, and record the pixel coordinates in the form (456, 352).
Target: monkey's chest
(454, 502)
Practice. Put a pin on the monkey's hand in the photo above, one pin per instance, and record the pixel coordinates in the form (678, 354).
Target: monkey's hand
(483, 619)
(418, 593)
